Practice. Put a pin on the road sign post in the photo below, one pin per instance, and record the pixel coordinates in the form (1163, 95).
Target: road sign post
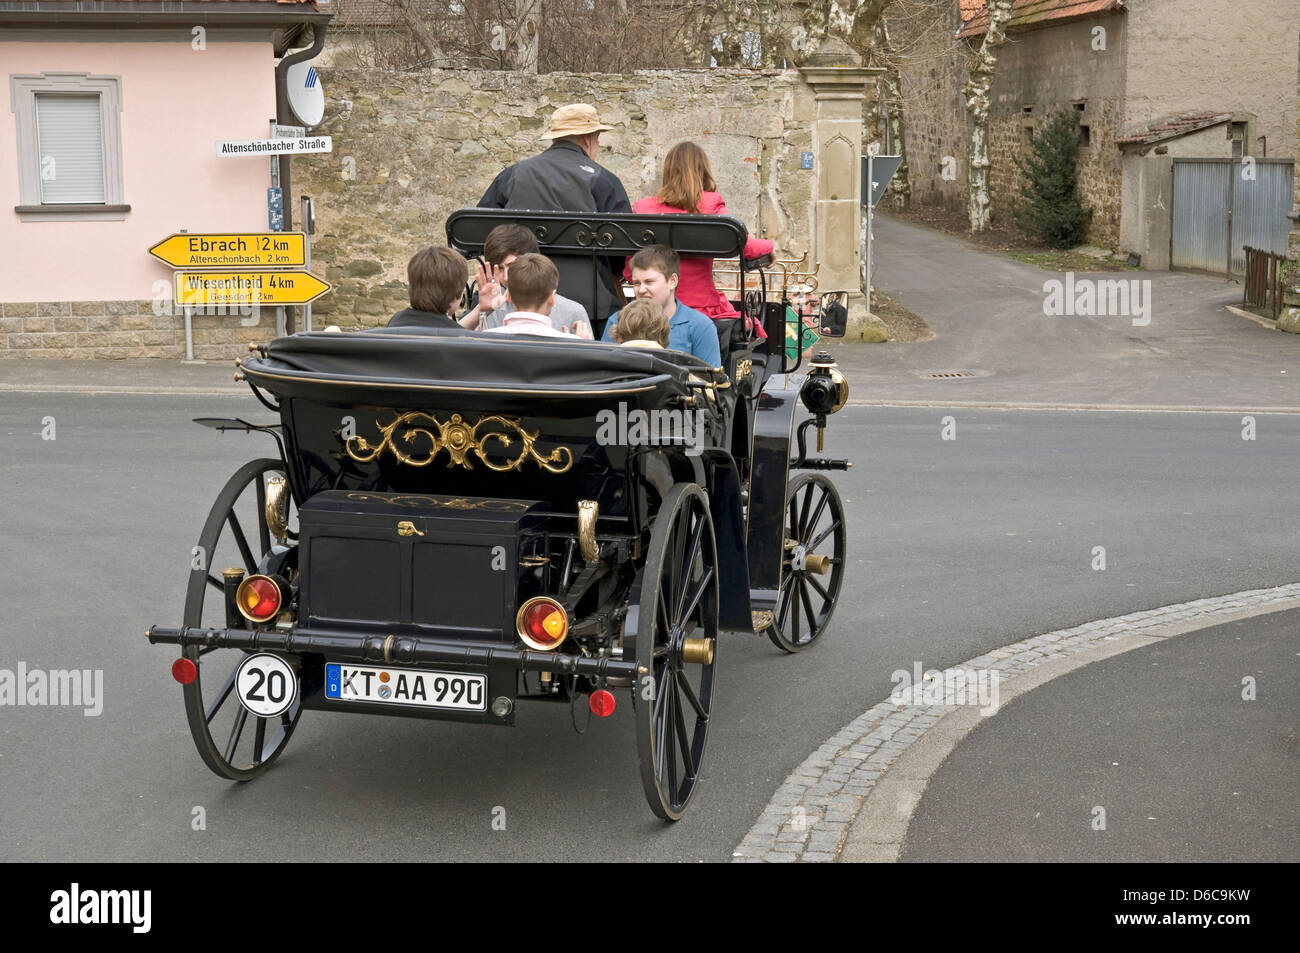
(877, 172)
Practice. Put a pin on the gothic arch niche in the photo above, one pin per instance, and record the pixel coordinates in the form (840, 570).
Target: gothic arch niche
(838, 169)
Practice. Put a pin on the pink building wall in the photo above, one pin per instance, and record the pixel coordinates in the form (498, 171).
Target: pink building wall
(176, 102)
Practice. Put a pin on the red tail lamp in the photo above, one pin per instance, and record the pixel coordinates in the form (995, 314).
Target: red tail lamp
(184, 671)
(601, 703)
(542, 623)
(259, 598)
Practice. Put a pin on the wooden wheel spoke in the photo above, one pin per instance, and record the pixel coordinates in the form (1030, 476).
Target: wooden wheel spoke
(679, 721)
(807, 605)
(803, 512)
(812, 581)
(216, 583)
(242, 541)
(816, 514)
(696, 596)
(263, 531)
(820, 537)
(222, 696)
(693, 550)
(793, 599)
(235, 732)
(685, 684)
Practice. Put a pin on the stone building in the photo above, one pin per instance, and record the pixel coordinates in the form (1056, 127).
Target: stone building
(1126, 66)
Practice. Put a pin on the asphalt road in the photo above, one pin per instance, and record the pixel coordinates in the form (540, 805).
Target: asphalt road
(1187, 762)
(957, 547)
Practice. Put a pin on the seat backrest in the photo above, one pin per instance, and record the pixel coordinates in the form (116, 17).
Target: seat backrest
(589, 249)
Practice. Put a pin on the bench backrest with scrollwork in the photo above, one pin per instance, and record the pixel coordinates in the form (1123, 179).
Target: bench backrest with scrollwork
(581, 245)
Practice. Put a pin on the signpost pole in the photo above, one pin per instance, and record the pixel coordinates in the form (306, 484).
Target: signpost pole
(189, 327)
(305, 218)
(871, 205)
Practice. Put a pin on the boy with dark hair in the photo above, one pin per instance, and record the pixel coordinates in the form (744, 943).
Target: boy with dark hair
(532, 297)
(656, 270)
(502, 246)
(436, 276)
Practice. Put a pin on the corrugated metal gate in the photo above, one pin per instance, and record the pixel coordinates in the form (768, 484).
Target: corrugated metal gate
(1222, 205)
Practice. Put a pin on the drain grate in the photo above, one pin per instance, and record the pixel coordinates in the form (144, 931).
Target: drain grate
(948, 375)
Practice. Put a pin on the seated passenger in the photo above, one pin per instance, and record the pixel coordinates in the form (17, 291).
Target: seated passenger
(689, 186)
(532, 296)
(655, 272)
(502, 246)
(641, 324)
(437, 283)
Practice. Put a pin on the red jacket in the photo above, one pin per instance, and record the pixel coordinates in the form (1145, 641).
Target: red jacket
(696, 288)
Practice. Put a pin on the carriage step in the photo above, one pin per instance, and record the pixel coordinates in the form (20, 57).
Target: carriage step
(762, 619)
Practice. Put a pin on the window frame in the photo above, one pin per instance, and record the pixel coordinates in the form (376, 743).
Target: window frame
(23, 90)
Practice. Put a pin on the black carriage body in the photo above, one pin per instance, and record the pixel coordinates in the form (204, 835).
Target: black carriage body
(432, 506)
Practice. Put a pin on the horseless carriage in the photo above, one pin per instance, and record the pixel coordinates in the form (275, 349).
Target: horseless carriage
(458, 522)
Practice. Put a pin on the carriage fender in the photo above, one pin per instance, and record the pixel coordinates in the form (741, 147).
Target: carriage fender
(723, 484)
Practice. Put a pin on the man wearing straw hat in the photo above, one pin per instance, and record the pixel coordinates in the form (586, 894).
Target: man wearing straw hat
(567, 178)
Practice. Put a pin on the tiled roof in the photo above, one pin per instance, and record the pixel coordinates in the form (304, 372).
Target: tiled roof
(1173, 127)
(1028, 12)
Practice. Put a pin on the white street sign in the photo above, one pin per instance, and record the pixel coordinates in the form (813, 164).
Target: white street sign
(270, 147)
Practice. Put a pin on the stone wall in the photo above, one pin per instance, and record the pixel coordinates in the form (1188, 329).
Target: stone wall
(1205, 55)
(122, 330)
(932, 71)
(415, 147)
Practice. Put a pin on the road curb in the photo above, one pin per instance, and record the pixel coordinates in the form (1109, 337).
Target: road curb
(853, 797)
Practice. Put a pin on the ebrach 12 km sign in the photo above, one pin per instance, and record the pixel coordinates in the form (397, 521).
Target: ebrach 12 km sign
(232, 250)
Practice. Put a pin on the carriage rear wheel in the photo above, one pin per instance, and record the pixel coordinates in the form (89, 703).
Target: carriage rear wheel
(813, 563)
(673, 620)
(234, 743)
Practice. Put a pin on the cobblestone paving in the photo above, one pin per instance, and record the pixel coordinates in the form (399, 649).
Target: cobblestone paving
(812, 811)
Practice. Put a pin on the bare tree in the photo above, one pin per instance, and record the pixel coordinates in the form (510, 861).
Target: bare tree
(976, 93)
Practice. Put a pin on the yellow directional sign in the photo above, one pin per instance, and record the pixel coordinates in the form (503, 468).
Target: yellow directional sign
(231, 250)
(202, 288)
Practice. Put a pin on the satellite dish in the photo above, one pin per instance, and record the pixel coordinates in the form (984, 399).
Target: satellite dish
(306, 94)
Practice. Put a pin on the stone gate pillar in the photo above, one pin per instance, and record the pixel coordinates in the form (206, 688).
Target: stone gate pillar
(840, 84)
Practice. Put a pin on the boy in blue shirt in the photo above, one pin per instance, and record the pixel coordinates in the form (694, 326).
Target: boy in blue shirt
(656, 270)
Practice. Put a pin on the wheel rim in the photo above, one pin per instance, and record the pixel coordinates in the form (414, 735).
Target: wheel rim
(814, 522)
(232, 742)
(674, 606)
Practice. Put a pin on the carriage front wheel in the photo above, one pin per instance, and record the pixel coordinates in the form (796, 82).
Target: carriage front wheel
(673, 624)
(234, 743)
(813, 563)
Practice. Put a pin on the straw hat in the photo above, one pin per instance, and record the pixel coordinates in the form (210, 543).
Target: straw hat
(574, 119)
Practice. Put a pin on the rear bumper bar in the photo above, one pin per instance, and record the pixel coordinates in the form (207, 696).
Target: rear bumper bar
(392, 650)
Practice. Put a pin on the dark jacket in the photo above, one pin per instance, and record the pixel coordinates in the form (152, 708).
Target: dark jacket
(561, 179)
(412, 317)
(565, 179)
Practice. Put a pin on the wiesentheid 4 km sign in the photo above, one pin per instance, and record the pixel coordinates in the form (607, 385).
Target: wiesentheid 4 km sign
(204, 288)
(232, 250)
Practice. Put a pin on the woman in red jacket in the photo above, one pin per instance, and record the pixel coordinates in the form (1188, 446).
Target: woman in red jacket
(689, 186)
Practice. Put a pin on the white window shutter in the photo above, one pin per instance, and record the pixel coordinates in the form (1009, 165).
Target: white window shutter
(69, 133)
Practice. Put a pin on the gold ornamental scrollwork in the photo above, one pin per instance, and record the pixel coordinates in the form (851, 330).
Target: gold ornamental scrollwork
(459, 439)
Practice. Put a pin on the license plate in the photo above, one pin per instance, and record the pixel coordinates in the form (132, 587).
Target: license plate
(406, 686)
